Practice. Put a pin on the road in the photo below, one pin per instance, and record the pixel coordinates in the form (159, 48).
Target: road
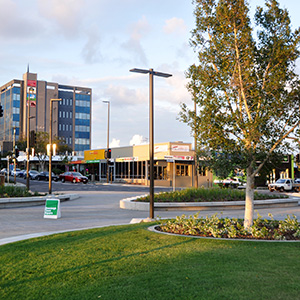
(97, 206)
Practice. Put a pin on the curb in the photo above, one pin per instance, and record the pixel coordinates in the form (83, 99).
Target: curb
(153, 229)
(130, 204)
(33, 201)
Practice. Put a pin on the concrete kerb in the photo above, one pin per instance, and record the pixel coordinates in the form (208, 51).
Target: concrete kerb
(132, 204)
(33, 201)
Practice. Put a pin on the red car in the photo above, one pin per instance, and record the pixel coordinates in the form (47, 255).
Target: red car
(73, 177)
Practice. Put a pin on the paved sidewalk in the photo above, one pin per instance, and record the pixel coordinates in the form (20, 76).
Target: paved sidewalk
(91, 210)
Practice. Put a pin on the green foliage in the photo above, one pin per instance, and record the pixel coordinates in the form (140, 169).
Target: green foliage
(288, 229)
(12, 191)
(206, 195)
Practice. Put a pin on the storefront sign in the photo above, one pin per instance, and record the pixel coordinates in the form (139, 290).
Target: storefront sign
(52, 209)
(178, 157)
(126, 159)
(180, 148)
(160, 148)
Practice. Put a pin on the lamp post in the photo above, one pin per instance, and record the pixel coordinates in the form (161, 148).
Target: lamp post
(151, 73)
(107, 144)
(31, 90)
(50, 150)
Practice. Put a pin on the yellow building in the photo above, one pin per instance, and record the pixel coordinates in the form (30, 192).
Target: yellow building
(173, 164)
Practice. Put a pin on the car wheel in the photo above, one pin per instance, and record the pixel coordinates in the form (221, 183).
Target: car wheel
(62, 180)
(74, 180)
(85, 182)
(281, 189)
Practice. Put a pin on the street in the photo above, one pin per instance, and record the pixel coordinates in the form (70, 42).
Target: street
(97, 206)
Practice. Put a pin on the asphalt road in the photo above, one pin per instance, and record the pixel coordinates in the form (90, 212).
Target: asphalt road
(95, 209)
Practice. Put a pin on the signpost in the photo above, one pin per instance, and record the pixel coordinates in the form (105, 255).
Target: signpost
(52, 209)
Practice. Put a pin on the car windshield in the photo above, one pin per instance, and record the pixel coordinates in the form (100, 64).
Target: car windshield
(280, 181)
(76, 174)
(34, 172)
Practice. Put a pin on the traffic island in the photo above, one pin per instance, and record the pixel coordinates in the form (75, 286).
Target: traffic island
(133, 204)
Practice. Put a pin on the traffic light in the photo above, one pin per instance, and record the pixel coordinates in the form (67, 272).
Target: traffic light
(17, 152)
(298, 158)
(1, 111)
(108, 153)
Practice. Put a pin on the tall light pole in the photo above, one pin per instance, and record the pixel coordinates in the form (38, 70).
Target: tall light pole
(31, 90)
(50, 150)
(151, 73)
(107, 145)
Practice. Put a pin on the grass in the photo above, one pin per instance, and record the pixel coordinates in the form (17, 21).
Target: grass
(207, 195)
(129, 262)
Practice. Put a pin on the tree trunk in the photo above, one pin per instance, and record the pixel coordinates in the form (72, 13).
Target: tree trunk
(249, 201)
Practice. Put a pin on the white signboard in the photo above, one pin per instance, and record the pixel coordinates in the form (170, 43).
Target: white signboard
(52, 209)
(180, 148)
(160, 148)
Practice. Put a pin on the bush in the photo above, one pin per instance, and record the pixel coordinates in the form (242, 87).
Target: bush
(214, 226)
(206, 195)
(13, 191)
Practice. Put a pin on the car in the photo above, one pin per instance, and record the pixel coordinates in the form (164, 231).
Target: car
(73, 177)
(21, 174)
(32, 174)
(3, 171)
(17, 172)
(45, 176)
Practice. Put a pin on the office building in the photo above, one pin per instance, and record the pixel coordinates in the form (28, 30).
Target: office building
(71, 118)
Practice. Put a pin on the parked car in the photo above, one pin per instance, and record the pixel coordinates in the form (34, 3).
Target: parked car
(32, 174)
(17, 172)
(21, 173)
(285, 184)
(45, 176)
(3, 171)
(73, 177)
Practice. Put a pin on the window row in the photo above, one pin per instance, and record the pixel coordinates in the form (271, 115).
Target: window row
(65, 127)
(69, 141)
(83, 103)
(82, 141)
(65, 114)
(82, 116)
(66, 102)
(82, 97)
(82, 128)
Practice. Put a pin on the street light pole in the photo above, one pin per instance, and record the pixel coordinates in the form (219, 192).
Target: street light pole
(107, 144)
(151, 73)
(27, 134)
(50, 150)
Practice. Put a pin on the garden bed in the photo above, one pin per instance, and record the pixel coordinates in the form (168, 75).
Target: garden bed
(262, 229)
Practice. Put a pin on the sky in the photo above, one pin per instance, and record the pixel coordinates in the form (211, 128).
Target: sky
(94, 43)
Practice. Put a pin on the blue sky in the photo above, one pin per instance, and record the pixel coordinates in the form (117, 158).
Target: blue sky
(95, 43)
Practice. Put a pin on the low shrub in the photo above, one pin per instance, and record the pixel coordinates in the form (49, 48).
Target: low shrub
(14, 191)
(206, 195)
(267, 229)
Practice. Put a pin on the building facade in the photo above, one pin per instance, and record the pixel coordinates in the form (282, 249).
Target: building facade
(71, 117)
(174, 165)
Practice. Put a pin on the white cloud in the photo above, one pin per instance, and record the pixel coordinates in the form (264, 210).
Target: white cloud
(68, 14)
(138, 140)
(114, 143)
(175, 25)
(91, 50)
(138, 31)
(14, 24)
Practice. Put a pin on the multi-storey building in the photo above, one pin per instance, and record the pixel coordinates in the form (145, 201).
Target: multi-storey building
(71, 117)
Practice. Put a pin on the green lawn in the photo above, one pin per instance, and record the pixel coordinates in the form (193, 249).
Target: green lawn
(130, 262)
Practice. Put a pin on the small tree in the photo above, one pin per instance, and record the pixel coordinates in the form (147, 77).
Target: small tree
(245, 83)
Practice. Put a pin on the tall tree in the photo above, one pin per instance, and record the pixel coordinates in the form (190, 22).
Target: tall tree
(244, 84)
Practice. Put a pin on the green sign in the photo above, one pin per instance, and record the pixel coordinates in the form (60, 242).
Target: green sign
(52, 209)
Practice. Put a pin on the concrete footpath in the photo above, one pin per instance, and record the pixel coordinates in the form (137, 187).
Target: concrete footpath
(96, 209)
